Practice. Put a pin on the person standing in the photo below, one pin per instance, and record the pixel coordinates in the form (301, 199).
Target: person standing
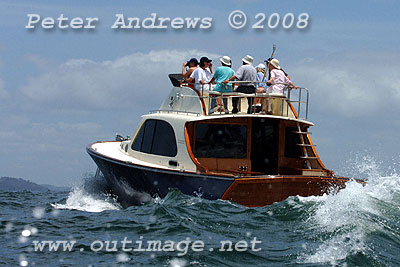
(248, 73)
(221, 74)
(261, 77)
(203, 75)
(276, 85)
(192, 65)
(278, 80)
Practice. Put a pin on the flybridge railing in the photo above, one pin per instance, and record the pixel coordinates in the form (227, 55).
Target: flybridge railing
(292, 103)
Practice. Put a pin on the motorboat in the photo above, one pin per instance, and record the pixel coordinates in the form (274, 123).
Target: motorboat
(252, 158)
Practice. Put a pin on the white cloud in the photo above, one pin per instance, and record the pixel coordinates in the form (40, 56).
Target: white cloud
(40, 62)
(135, 80)
(352, 85)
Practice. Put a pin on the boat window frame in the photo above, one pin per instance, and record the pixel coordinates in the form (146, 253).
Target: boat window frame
(170, 133)
(245, 123)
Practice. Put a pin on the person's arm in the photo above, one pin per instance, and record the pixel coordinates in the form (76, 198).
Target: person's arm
(192, 78)
(270, 81)
(184, 72)
(237, 75)
(272, 78)
(233, 77)
(216, 74)
(203, 77)
(291, 85)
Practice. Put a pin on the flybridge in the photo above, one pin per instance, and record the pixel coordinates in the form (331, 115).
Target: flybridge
(184, 99)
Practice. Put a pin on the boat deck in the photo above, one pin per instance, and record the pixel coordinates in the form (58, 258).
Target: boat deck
(290, 104)
(112, 150)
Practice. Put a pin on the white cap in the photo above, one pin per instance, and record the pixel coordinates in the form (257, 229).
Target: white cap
(274, 62)
(226, 60)
(248, 59)
(261, 66)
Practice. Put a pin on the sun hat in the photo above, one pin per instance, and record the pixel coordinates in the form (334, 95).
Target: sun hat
(226, 60)
(274, 62)
(248, 59)
(261, 66)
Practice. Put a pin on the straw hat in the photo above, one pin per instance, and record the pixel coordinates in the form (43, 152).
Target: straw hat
(248, 59)
(274, 62)
(226, 60)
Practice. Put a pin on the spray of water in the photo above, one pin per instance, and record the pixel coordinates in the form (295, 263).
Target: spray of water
(90, 196)
(341, 223)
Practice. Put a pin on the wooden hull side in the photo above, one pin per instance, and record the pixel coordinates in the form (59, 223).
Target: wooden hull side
(256, 192)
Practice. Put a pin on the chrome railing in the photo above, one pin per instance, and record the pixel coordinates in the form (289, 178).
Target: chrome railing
(294, 101)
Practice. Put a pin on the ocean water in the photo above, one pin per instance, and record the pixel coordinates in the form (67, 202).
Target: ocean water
(358, 226)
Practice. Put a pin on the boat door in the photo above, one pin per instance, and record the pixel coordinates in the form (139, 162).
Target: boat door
(264, 145)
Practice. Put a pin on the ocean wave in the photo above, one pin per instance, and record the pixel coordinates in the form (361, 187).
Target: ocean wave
(344, 224)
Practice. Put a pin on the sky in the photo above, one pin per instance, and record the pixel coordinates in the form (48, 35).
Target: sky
(62, 89)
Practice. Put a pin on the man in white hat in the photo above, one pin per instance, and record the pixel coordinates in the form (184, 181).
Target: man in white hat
(246, 72)
(221, 74)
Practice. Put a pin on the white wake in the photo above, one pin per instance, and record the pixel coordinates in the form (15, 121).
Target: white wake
(79, 199)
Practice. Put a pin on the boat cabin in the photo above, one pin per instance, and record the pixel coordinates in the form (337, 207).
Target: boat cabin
(183, 135)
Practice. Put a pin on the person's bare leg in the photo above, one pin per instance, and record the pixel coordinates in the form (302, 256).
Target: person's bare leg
(220, 106)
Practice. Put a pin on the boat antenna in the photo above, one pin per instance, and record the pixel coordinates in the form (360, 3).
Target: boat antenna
(268, 61)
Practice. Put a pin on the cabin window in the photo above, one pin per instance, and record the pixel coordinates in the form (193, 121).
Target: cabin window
(137, 143)
(292, 139)
(156, 137)
(148, 136)
(220, 141)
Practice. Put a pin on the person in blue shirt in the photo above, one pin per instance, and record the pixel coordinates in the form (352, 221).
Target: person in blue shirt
(221, 74)
(261, 78)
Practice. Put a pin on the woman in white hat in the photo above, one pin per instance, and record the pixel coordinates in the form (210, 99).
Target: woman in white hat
(278, 78)
(276, 85)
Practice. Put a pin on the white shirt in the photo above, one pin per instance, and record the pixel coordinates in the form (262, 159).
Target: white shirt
(278, 77)
(201, 75)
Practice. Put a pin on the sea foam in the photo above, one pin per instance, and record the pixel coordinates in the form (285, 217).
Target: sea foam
(341, 223)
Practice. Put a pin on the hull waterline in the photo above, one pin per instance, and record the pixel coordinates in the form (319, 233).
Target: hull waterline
(135, 184)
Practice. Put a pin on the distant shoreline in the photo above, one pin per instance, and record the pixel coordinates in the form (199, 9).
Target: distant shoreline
(19, 184)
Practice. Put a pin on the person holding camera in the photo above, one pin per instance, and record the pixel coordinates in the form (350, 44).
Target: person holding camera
(203, 75)
(192, 66)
